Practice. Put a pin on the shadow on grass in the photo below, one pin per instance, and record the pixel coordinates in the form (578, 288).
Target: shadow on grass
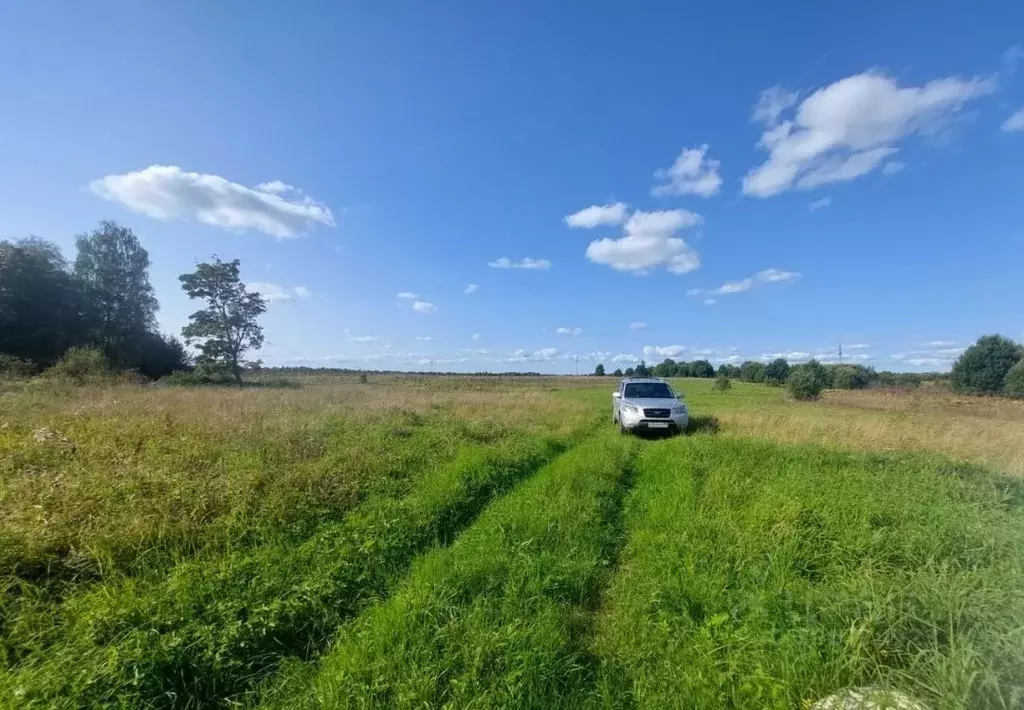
(703, 423)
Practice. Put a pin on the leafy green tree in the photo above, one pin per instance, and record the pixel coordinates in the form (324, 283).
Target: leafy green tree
(722, 383)
(113, 270)
(804, 383)
(642, 370)
(599, 370)
(227, 327)
(630, 371)
(851, 377)
(729, 370)
(41, 304)
(1013, 383)
(752, 371)
(701, 368)
(983, 367)
(777, 371)
(618, 372)
(665, 368)
(822, 377)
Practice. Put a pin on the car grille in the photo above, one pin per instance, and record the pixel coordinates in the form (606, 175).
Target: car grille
(657, 413)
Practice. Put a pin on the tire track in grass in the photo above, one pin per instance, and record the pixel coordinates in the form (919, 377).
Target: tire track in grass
(502, 618)
(765, 576)
(213, 630)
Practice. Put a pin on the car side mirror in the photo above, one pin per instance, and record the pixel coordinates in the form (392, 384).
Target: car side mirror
(616, 394)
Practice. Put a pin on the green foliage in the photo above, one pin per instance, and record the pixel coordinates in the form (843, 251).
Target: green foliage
(722, 383)
(701, 368)
(630, 372)
(197, 377)
(12, 368)
(642, 370)
(362, 378)
(851, 377)
(113, 270)
(618, 372)
(1013, 383)
(730, 371)
(805, 383)
(41, 303)
(81, 365)
(752, 371)
(983, 367)
(776, 372)
(227, 327)
(666, 368)
(599, 370)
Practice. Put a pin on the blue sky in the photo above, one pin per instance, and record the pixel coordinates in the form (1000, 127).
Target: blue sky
(782, 179)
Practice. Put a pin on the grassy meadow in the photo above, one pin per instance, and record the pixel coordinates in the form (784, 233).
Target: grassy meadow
(494, 542)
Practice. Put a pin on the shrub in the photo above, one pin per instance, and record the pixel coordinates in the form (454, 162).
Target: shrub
(803, 384)
(722, 384)
(197, 378)
(983, 366)
(362, 378)
(1013, 384)
(752, 371)
(850, 377)
(13, 368)
(81, 365)
(161, 355)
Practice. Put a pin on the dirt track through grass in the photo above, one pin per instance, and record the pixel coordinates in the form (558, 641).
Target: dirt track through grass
(758, 575)
(503, 618)
(215, 627)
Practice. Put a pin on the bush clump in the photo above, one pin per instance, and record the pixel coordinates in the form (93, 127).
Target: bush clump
(1013, 383)
(984, 366)
(13, 368)
(722, 384)
(81, 365)
(808, 380)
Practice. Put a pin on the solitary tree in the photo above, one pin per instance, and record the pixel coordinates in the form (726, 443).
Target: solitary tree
(702, 368)
(776, 372)
(599, 370)
(618, 372)
(227, 327)
(983, 366)
(113, 269)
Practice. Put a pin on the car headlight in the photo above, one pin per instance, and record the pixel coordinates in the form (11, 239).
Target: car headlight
(630, 408)
(679, 410)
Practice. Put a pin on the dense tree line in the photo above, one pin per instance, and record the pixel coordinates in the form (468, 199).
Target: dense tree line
(99, 312)
(993, 365)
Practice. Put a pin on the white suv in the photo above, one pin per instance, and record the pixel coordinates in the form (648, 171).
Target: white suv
(648, 404)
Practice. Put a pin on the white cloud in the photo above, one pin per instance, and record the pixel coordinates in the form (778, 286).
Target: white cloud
(820, 204)
(166, 192)
(846, 129)
(857, 346)
(476, 336)
(598, 215)
(569, 331)
(365, 339)
(425, 338)
(691, 174)
(771, 104)
(1015, 122)
(1012, 57)
(276, 293)
(776, 275)
(637, 326)
(649, 241)
(792, 356)
(939, 354)
(734, 287)
(470, 288)
(524, 263)
(545, 354)
(941, 344)
(423, 307)
(276, 187)
(408, 296)
(694, 291)
(663, 350)
(710, 301)
(625, 357)
(893, 167)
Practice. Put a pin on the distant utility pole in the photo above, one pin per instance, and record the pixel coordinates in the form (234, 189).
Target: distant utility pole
(840, 353)
(577, 364)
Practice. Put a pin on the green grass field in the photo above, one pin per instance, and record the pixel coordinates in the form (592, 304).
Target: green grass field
(491, 542)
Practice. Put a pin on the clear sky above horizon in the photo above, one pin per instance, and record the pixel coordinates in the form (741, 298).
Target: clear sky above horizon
(485, 186)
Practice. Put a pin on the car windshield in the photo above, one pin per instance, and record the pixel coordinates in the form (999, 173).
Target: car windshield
(648, 390)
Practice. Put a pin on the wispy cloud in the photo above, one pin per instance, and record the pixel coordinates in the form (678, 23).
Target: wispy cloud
(1015, 122)
(598, 215)
(569, 331)
(637, 326)
(691, 174)
(525, 263)
(820, 204)
(275, 293)
(471, 288)
(408, 296)
(423, 307)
